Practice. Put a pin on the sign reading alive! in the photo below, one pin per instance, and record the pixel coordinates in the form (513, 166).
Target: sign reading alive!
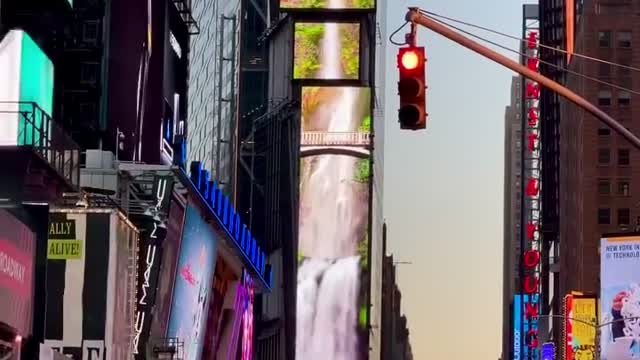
(531, 205)
(62, 244)
(149, 261)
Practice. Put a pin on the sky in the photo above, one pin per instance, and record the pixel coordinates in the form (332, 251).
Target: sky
(444, 186)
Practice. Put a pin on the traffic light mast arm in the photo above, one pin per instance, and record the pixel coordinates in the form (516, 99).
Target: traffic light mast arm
(416, 17)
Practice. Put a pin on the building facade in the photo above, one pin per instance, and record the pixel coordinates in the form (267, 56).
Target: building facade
(596, 191)
(512, 209)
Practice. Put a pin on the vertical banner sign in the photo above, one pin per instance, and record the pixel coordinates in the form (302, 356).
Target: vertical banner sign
(583, 327)
(531, 264)
(151, 238)
(568, 329)
(517, 326)
(620, 298)
(247, 317)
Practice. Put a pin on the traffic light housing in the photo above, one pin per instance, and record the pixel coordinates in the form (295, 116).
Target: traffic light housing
(412, 88)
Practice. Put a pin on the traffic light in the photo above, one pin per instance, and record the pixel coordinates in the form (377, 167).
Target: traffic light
(412, 88)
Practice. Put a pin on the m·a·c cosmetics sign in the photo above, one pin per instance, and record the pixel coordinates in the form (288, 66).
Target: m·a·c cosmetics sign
(152, 236)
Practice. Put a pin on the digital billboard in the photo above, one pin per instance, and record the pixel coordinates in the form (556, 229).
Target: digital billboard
(334, 223)
(620, 297)
(196, 263)
(26, 75)
(326, 4)
(581, 318)
(17, 250)
(326, 50)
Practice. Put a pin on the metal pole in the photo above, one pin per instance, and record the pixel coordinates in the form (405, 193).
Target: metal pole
(415, 16)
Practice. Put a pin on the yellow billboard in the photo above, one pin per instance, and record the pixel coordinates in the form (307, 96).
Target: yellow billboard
(584, 312)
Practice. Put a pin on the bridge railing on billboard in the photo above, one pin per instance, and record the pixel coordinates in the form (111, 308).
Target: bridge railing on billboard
(38, 130)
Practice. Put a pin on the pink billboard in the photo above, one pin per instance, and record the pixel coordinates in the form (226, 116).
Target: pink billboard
(17, 248)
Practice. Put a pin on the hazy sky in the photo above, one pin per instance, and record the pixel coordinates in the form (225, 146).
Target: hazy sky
(443, 187)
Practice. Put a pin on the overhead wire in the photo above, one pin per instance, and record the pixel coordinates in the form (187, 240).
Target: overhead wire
(586, 57)
(395, 32)
(528, 56)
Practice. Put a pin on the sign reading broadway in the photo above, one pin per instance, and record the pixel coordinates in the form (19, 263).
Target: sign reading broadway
(152, 236)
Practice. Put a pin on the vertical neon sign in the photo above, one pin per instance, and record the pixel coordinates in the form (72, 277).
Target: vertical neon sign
(247, 318)
(531, 256)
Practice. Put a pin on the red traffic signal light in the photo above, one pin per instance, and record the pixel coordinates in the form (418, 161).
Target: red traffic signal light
(412, 88)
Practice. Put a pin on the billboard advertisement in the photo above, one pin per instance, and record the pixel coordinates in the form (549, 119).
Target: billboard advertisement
(326, 4)
(620, 297)
(196, 263)
(17, 251)
(167, 275)
(91, 284)
(581, 317)
(531, 239)
(525, 326)
(26, 75)
(326, 50)
(332, 302)
(153, 233)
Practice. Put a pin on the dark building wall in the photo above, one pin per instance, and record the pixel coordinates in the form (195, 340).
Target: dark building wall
(589, 183)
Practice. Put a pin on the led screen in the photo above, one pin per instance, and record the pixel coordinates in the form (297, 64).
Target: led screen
(620, 297)
(326, 4)
(17, 249)
(196, 263)
(334, 227)
(26, 75)
(327, 51)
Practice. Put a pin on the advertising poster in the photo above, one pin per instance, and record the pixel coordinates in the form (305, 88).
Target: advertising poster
(333, 230)
(327, 51)
(77, 305)
(196, 264)
(580, 328)
(326, 4)
(17, 251)
(620, 298)
(167, 275)
(26, 75)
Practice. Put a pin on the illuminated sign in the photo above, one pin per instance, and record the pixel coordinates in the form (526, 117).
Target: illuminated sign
(548, 351)
(247, 318)
(26, 75)
(286, 5)
(149, 261)
(326, 50)
(517, 325)
(64, 249)
(531, 256)
(230, 220)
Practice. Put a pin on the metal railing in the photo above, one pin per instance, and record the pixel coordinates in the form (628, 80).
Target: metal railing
(322, 138)
(36, 128)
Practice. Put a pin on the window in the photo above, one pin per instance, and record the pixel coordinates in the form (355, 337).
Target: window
(623, 187)
(90, 31)
(624, 216)
(624, 98)
(623, 157)
(625, 69)
(88, 73)
(604, 216)
(624, 39)
(604, 38)
(604, 69)
(604, 98)
(604, 186)
(604, 156)
(604, 131)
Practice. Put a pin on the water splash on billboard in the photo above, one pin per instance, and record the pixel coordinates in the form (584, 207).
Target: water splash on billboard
(328, 279)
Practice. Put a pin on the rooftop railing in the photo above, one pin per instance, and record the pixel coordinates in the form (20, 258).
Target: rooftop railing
(35, 128)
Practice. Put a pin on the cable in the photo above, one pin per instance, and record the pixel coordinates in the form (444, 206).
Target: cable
(395, 32)
(524, 40)
(541, 61)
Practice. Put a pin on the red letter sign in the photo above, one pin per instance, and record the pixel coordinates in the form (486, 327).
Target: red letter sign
(532, 39)
(532, 141)
(531, 258)
(533, 90)
(532, 114)
(530, 284)
(532, 187)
